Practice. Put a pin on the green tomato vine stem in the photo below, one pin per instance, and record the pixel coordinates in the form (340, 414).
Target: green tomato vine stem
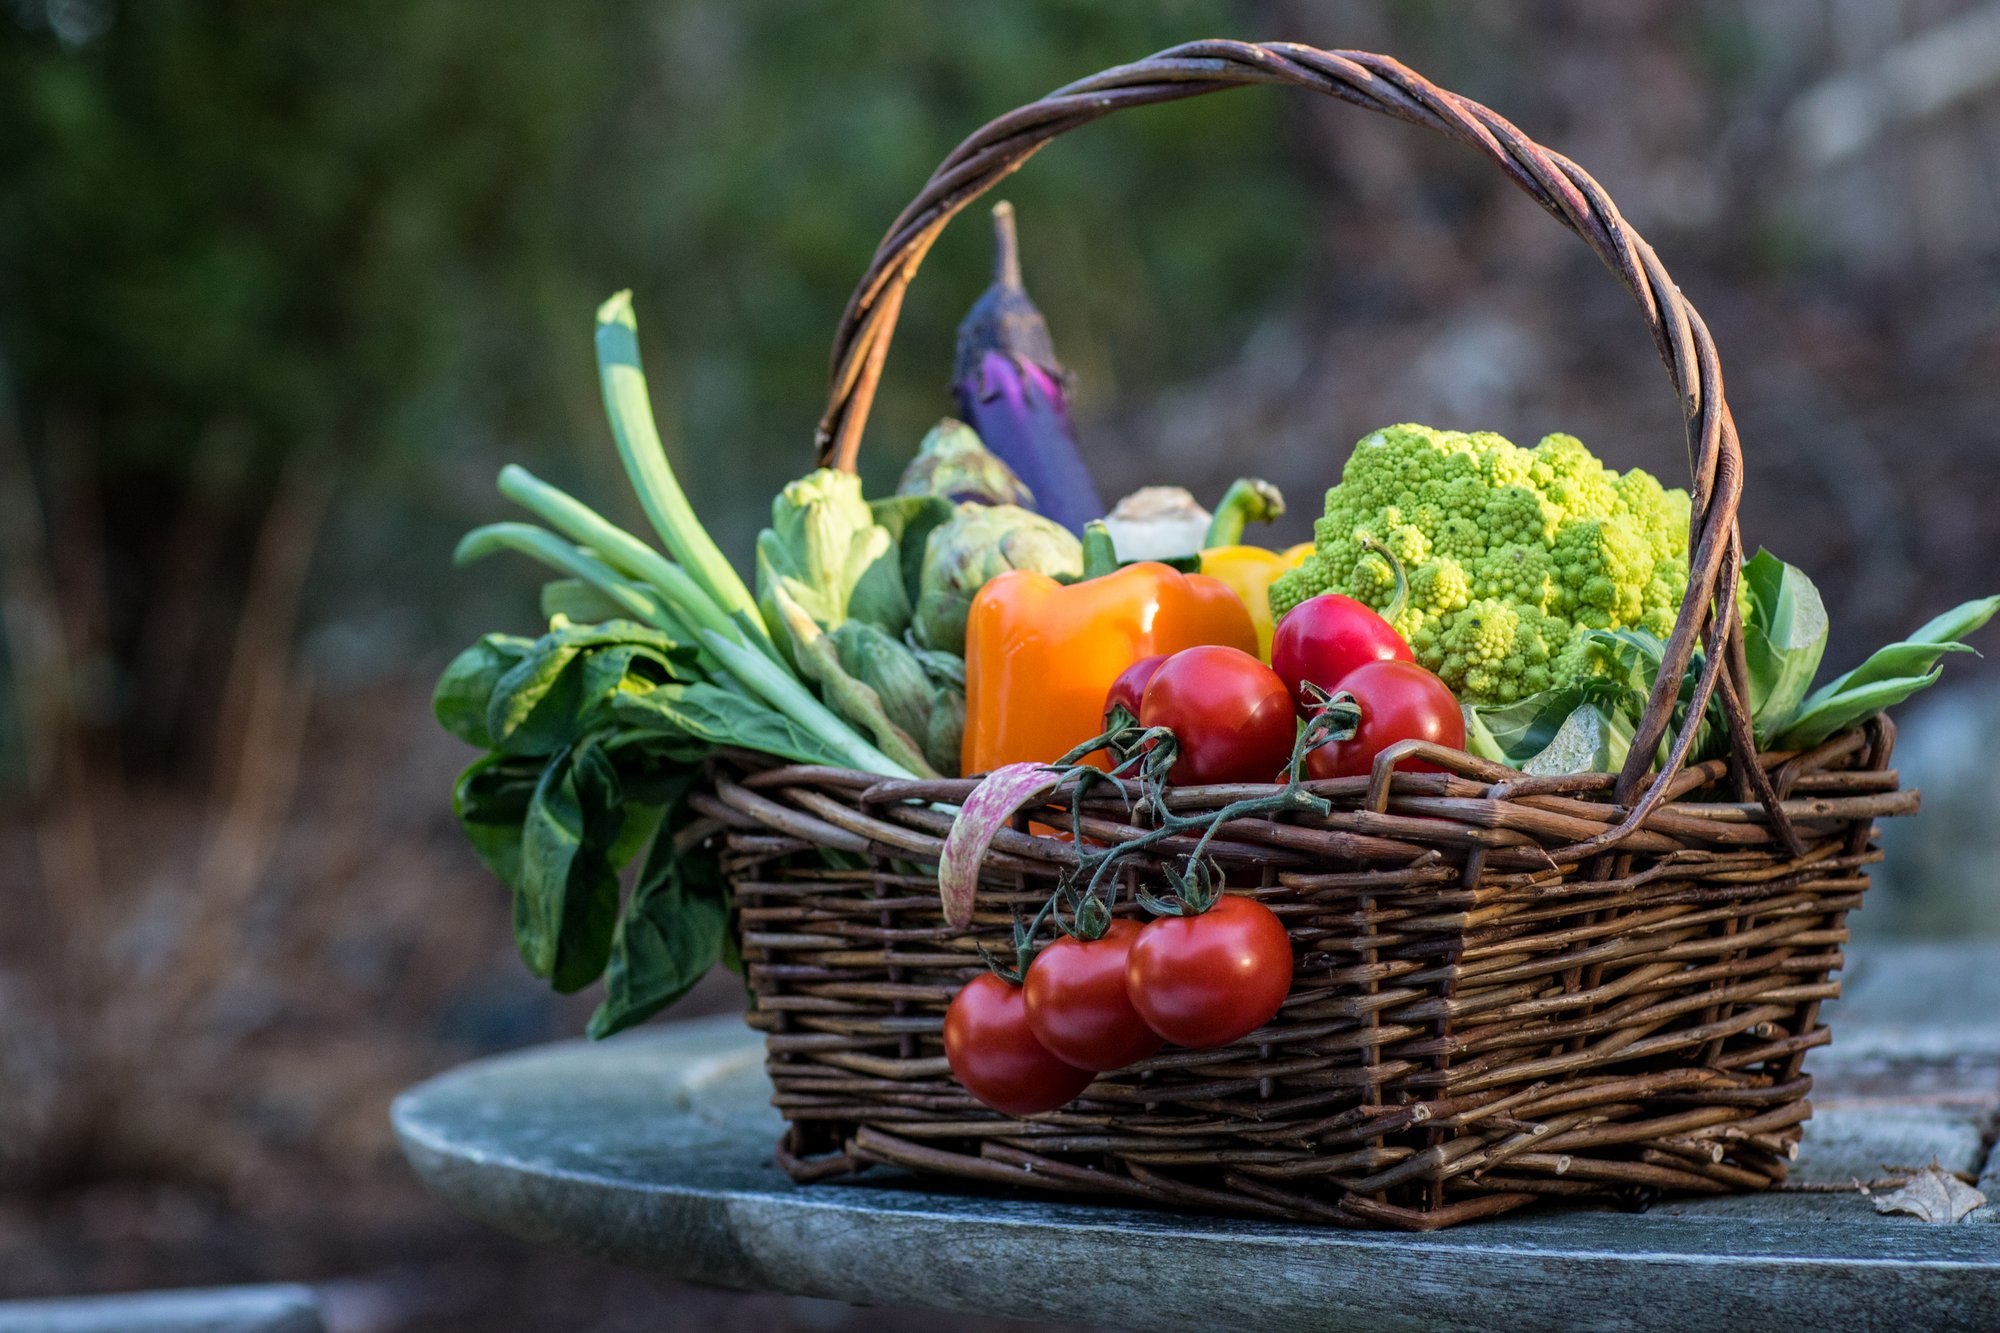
(1196, 887)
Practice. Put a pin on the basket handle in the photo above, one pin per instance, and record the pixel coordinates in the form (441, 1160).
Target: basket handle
(1564, 189)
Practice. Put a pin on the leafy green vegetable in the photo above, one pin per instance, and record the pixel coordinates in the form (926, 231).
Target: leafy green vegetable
(547, 697)
(464, 691)
(825, 552)
(594, 733)
(1784, 637)
(674, 927)
(491, 800)
(566, 903)
(1889, 676)
(782, 691)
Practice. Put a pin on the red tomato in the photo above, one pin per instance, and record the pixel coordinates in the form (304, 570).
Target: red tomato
(1208, 980)
(995, 1056)
(1077, 1005)
(1130, 686)
(1230, 714)
(1323, 638)
(1400, 701)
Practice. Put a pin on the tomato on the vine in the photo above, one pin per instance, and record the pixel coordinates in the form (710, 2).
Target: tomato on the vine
(1324, 638)
(1211, 978)
(1399, 701)
(1230, 714)
(1077, 1004)
(995, 1057)
(1130, 687)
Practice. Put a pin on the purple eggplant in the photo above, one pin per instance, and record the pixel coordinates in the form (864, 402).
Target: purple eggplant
(1011, 389)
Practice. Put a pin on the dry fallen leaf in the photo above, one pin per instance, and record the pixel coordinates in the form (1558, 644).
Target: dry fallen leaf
(1933, 1194)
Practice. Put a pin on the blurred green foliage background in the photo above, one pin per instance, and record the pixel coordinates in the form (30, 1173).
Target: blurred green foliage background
(368, 239)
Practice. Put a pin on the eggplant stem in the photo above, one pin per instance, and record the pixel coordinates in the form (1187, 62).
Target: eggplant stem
(1006, 248)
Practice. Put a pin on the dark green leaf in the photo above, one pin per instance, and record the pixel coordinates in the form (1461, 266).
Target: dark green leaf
(546, 698)
(656, 768)
(491, 800)
(466, 687)
(637, 828)
(566, 903)
(673, 929)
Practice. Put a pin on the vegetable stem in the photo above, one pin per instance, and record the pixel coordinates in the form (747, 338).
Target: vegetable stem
(1248, 500)
(620, 549)
(1100, 553)
(1006, 247)
(628, 405)
(543, 545)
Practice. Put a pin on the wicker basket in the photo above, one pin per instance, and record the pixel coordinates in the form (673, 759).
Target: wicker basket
(1507, 988)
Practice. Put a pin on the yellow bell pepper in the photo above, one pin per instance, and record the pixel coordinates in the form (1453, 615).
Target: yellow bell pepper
(1249, 570)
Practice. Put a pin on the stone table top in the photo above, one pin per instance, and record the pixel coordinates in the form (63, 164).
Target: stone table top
(654, 1150)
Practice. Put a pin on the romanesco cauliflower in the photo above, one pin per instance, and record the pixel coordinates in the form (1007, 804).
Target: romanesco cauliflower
(1508, 553)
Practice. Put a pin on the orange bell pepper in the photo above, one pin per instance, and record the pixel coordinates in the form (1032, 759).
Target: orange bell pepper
(1040, 656)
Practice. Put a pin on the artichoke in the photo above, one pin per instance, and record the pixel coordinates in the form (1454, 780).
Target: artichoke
(825, 548)
(924, 697)
(980, 542)
(953, 463)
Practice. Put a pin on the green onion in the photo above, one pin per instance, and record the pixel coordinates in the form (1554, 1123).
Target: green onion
(543, 545)
(620, 549)
(628, 405)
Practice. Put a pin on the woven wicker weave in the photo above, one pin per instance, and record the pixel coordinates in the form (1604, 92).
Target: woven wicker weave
(1506, 987)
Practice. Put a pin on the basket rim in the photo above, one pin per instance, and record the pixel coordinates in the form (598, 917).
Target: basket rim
(1494, 813)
